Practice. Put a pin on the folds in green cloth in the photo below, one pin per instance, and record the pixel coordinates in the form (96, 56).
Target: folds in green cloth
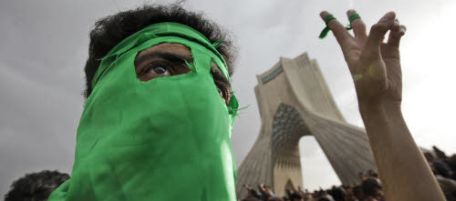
(165, 139)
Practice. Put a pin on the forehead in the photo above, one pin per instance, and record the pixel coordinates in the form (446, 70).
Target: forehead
(174, 48)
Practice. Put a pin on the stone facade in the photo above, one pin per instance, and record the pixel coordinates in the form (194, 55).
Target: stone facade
(294, 101)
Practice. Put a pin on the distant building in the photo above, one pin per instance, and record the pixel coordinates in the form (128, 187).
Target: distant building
(294, 101)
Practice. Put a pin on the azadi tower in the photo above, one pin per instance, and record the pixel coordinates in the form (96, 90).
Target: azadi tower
(294, 101)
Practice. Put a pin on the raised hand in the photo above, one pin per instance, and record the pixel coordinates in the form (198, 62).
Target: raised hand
(376, 71)
(374, 65)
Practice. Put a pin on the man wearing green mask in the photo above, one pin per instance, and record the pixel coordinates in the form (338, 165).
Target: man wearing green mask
(157, 121)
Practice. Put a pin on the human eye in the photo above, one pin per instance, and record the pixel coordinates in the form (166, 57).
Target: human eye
(161, 70)
(156, 69)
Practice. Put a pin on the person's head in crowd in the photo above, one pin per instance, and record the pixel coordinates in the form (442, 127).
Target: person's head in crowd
(362, 176)
(288, 192)
(372, 173)
(268, 189)
(452, 162)
(35, 186)
(324, 196)
(349, 195)
(371, 188)
(358, 192)
(261, 188)
(441, 168)
(338, 193)
(439, 153)
(293, 195)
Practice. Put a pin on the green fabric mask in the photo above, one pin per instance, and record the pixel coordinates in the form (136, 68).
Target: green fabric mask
(166, 139)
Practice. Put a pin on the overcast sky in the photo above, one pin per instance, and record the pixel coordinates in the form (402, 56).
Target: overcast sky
(43, 48)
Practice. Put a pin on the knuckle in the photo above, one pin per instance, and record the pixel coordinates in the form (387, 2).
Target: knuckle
(358, 24)
(378, 27)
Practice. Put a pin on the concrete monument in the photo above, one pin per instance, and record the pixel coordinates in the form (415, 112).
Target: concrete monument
(294, 101)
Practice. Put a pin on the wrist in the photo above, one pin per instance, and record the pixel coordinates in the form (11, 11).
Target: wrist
(367, 107)
(379, 107)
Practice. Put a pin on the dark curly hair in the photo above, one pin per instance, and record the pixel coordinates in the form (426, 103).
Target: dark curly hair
(112, 29)
(35, 186)
(371, 187)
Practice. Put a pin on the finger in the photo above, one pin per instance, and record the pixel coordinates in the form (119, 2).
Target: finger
(377, 34)
(339, 31)
(359, 28)
(396, 33)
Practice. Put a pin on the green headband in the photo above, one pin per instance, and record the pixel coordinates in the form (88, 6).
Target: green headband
(154, 31)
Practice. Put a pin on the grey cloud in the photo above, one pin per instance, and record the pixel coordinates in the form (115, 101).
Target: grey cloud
(44, 47)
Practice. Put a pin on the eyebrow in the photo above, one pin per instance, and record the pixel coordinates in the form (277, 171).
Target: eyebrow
(175, 58)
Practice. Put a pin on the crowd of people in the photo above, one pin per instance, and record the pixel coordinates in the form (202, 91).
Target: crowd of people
(38, 186)
(369, 187)
(444, 169)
